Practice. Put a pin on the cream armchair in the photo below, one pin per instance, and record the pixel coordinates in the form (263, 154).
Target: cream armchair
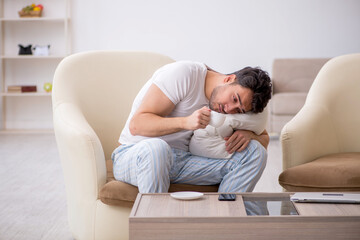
(321, 144)
(92, 97)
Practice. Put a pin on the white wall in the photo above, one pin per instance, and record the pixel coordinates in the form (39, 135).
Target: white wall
(225, 34)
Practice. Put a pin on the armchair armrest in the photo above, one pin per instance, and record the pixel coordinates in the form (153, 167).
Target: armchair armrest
(82, 160)
(309, 135)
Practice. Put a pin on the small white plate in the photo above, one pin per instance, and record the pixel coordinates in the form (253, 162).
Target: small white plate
(186, 195)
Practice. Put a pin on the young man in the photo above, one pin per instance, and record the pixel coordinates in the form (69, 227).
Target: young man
(172, 104)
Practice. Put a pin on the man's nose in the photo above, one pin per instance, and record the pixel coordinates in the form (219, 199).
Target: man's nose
(232, 108)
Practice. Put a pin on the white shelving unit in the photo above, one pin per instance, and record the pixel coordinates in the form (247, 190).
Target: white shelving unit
(31, 111)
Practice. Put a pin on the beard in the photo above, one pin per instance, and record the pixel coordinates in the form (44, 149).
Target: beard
(212, 101)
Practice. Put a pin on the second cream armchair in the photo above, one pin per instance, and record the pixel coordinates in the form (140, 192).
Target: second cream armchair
(321, 144)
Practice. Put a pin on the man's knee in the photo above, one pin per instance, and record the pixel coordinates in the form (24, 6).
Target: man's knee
(158, 149)
(258, 151)
(254, 154)
(156, 145)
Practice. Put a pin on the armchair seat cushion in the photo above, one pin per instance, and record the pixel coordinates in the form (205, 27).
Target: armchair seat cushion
(287, 103)
(118, 193)
(122, 194)
(334, 172)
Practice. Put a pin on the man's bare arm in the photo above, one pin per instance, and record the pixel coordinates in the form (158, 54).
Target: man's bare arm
(263, 138)
(150, 119)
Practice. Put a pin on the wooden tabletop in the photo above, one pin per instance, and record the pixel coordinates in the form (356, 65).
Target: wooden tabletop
(163, 205)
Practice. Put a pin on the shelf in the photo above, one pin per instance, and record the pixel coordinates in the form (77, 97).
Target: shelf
(30, 94)
(33, 57)
(34, 19)
(30, 111)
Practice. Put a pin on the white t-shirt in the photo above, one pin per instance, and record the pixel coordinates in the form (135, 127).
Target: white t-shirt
(183, 82)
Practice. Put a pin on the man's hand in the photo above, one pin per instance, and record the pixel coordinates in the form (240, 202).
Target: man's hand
(238, 141)
(198, 119)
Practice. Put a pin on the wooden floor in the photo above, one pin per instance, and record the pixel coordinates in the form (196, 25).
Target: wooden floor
(32, 193)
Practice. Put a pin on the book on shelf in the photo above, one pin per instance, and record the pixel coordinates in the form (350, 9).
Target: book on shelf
(21, 88)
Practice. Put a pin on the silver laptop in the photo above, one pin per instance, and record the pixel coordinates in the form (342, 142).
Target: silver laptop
(331, 197)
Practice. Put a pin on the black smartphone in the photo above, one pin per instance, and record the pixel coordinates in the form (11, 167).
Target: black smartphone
(227, 197)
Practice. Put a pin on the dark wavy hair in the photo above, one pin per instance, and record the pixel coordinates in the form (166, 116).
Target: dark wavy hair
(259, 82)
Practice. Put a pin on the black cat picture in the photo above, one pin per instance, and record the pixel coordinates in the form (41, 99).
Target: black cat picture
(25, 50)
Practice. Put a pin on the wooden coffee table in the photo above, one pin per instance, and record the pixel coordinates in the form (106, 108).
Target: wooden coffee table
(159, 216)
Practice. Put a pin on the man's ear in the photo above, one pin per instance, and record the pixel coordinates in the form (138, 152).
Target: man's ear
(230, 78)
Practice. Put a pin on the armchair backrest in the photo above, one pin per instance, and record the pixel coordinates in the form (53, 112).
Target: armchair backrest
(103, 84)
(336, 92)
